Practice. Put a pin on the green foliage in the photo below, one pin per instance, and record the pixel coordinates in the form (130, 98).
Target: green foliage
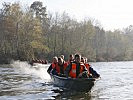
(31, 33)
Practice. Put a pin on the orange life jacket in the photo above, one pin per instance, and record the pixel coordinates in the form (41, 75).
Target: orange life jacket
(53, 65)
(87, 66)
(73, 70)
(58, 67)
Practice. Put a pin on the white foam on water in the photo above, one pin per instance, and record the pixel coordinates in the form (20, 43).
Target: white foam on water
(39, 70)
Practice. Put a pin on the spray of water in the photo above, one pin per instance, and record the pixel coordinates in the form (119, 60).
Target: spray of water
(39, 70)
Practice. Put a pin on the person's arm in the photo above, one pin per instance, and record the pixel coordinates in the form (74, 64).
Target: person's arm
(54, 72)
(67, 70)
(94, 73)
(85, 69)
(49, 69)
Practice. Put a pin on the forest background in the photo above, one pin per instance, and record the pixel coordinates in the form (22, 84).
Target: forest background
(32, 33)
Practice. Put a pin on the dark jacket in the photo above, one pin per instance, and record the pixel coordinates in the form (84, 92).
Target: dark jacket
(61, 68)
(49, 69)
(93, 72)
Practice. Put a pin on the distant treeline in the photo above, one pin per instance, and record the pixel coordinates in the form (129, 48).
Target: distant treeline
(31, 32)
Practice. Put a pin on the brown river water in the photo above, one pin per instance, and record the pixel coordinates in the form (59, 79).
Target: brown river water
(20, 81)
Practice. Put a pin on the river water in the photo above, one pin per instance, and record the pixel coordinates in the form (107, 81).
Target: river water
(20, 81)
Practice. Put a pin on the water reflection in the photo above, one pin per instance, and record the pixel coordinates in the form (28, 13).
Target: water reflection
(74, 95)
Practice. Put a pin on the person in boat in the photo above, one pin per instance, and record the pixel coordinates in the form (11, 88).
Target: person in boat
(46, 61)
(60, 67)
(62, 56)
(53, 65)
(43, 61)
(91, 72)
(71, 59)
(76, 69)
(34, 61)
(82, 59)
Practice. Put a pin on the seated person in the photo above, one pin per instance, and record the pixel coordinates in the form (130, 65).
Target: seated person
(53, 65)
(91, 72)
(76, 69)
(61, 66)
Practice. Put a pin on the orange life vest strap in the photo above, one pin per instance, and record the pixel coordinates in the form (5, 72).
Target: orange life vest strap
(73, 71)
(88, 67)
(53, 65)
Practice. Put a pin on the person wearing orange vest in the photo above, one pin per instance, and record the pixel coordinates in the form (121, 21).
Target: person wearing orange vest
(61, 66)
(91, 72)
(53, 65)
(71, 59)
(83, 60)
(76, 69)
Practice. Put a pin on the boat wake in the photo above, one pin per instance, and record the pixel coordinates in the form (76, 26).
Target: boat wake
(39, 70)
